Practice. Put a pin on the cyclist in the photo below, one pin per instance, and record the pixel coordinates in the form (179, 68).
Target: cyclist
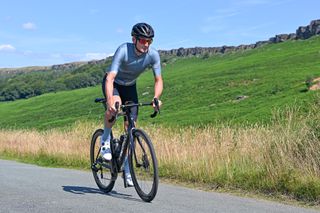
(119, 83)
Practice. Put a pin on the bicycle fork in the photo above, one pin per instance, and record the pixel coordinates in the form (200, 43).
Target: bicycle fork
(130, 151)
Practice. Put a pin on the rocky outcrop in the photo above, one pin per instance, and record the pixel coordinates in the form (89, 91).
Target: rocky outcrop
(102, 61)
(283, 37)
(68, 66)
(75, 65)
(13, 71)
(303, 32)
(309, 31)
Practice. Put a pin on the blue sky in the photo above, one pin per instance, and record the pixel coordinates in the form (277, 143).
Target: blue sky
(41, 33)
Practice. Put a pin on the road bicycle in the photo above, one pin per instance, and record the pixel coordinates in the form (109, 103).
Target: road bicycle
(134, 144)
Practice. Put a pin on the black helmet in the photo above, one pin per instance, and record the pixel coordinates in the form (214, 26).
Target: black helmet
(142, 30)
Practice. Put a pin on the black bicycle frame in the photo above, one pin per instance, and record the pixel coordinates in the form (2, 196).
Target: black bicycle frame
(131, 127)
(129, 143)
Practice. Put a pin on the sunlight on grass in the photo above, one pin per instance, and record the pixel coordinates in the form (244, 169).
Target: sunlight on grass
(280, 158)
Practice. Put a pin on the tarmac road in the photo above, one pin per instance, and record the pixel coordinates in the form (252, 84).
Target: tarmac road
(30, 188)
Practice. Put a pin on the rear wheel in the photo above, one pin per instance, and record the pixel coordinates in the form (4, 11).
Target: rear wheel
(143, 166)
(102, 171)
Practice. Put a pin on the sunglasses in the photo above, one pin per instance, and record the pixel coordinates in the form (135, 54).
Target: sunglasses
(145, 41)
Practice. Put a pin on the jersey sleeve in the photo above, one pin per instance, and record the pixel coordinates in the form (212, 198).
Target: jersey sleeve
(117, 59)
(156, 67)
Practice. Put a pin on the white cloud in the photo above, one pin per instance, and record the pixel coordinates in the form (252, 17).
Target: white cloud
(29, 26)
(7, 48)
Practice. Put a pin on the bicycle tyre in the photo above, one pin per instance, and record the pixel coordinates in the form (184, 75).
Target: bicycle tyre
(146, 185)
(102, 171)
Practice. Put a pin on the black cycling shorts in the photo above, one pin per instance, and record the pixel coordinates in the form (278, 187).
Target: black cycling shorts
(126, 94)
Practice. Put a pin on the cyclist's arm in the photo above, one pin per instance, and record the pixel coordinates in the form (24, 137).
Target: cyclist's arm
(158, 86)
(158, 82)
(116, 62)
(109, 87)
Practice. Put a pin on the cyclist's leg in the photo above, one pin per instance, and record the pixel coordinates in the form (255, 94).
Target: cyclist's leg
(129, 93)
(106, 137)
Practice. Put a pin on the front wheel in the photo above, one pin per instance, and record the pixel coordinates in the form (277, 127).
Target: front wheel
(143, 166)
(102, 171)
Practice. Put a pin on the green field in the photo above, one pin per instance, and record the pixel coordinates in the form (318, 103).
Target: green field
(198, 90)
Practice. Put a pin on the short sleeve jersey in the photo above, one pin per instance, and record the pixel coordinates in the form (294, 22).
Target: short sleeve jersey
(128, 65)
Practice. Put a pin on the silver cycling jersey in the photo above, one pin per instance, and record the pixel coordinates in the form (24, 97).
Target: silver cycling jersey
(128, 65)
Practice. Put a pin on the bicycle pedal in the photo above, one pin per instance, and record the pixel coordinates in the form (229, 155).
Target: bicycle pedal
(107, 165)
(99, 160)
(94, 168)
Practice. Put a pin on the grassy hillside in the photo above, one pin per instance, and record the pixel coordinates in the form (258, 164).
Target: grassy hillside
(198, 91)
(22, 84)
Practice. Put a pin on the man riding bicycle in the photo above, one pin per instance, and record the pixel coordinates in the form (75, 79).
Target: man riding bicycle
(119, 83)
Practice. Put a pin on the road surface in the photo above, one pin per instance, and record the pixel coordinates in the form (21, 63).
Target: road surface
(30, 188)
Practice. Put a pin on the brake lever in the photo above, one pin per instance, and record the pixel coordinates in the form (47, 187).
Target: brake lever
(156, 103)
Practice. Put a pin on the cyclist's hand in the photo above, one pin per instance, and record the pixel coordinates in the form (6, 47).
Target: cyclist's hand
(112, 109)
(154, 105)
(112, 112)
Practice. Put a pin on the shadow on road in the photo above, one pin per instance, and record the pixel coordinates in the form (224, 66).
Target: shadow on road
(81, 190)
